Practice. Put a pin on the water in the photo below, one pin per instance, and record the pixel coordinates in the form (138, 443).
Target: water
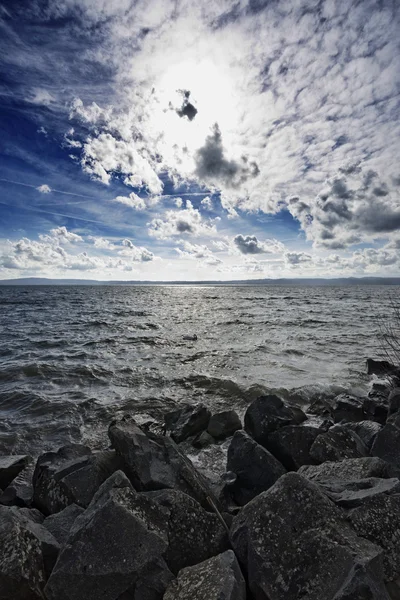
(72, 358)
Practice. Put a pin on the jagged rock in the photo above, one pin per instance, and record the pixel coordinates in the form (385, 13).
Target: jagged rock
(187, 421)
(378, 520)
(27, 555)
(256, 469)
(381, 367)
(154, 462)
(10, 467)
(193, 534)
(387, 442)
(349, 494)
(224, 424)
(291, 445)
(70, 476)
(218, 578)
(20, 490)
(60, 523)
(115, 548)
(343, 407)
(366, 431)
(349, 470)
(394, 401)
(337, 443)
(203, 440)
(268, 413)
(295, 544)
(33, 514)
(376, 405)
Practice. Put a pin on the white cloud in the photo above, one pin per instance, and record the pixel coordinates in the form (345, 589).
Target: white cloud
(63, 235)
(207, 203)
(136, 253)
(187, 221)
(133, 201)
(41, 97)
(102, 243)
(249, 244)
(44, 189)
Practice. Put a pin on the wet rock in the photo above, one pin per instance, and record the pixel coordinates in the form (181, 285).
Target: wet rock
(381, 367)
(10, 467)
(376, 405)
(295, 544)
(27, 555)
(336, 444)
(224, 424)
(70, 476)
(193, 534)
(218, 578)
(387, 442)
(154, 462)
(268, 413)
(115, 548)
(343, 407)
(366, 431)
(256, 469)
(187, 421)
(20, 490)
(394, 401)
(60, 523)
(349, 470)
(349, 494)
(291, 445)
(203, 440)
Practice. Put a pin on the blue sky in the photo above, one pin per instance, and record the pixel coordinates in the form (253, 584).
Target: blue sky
(161, 140)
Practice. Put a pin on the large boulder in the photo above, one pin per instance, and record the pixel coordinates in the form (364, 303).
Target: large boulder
(376, 405)
(255, 467)
(60, 523)
(291, 445)
(387, 442)
(70, 476)
(10, 467)
(366, 431)
(350, 494)
(268, 413)
(20, 491)
(154, 462)
(381, 367)
(27, 555)
(224, 424)
(343, 407)
(218, 578)
(294, 543)
(336, 444)
(186, 421)
(394, 401)
(115, 548)
(349, 470)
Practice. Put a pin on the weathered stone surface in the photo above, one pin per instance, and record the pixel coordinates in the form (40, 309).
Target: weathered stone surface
(218, 578)
(255, 467)
(154, 462)
(224, 424)
(193, 534)
(20, 490)
(381, 367)
(10, 467)
(387, 442)
(394, 401)
(350, 494)
(203, 440)
(378, 520)
(376, 405)
(27, 555)
(115, 548)
(336, 444)
(70, 476)
(366, 431)
(349, 469)
(187, 421)
(268, 413)
(60, 523)
(291, 445)
(347, 408)
(295, 544)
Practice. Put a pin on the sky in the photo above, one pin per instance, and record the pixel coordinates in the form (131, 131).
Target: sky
(172, 140)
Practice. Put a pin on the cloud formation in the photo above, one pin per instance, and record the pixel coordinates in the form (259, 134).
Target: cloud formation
(249, 244)
(187, 221)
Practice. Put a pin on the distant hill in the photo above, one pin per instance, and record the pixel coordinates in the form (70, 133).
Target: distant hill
(308, 281)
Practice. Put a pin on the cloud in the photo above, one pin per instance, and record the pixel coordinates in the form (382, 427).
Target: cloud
(297, 258)
(207, 203)
(63, 235)
(44, 189)
(249, 244)
(177, 222)
(41, 97)
(133, 201)
(102, 243)
(138, 254)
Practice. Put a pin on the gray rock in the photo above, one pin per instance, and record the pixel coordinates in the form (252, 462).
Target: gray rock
(10, 467)
(60, 523)
(154, 462)
(187, 421)
(20, 490)
(381, 367)
(349, 470)
(218, 578)
(295, 544)
(268, 413)
(33, 514)
(348, 408)
(366, 431)
(394, 401)
(376, 405)
(387, 442)
(70, 476)
(224, 424)
(115, 548)
(291, 445)
(350, 494)
(203, 440)
(255, 467)
(336, 444)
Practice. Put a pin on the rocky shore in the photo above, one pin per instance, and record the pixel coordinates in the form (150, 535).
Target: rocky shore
(308, 507)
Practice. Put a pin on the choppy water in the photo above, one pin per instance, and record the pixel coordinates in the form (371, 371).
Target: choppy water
(73, 357)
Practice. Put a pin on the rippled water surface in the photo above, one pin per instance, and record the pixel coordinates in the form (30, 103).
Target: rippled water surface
(73, 357)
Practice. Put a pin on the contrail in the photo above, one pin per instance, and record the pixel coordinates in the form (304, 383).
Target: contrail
(49, 212)
(51, 189)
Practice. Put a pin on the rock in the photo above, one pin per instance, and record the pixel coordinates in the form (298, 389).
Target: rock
(27, 555)
(256, 469)
(20, 490)
(381, 367)
(337, 443)
(33, 514)
(366, 431)
(115, 548)
(268, 413)
(60, 523)
(349, 470)
(296, 544)
(291, 445)
(10, 467)
(387, 442)
(70, 476)
(394, 401)
(378, 520)
(193, 534)
(154, 462)
(343, 407)
(218, 578)
(349, 494)
(376, 405)
(203, 440)
(187, 421)
(224, 424)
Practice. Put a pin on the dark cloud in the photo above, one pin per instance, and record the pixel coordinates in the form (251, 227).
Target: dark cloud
(187, 109)
(249, 244)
